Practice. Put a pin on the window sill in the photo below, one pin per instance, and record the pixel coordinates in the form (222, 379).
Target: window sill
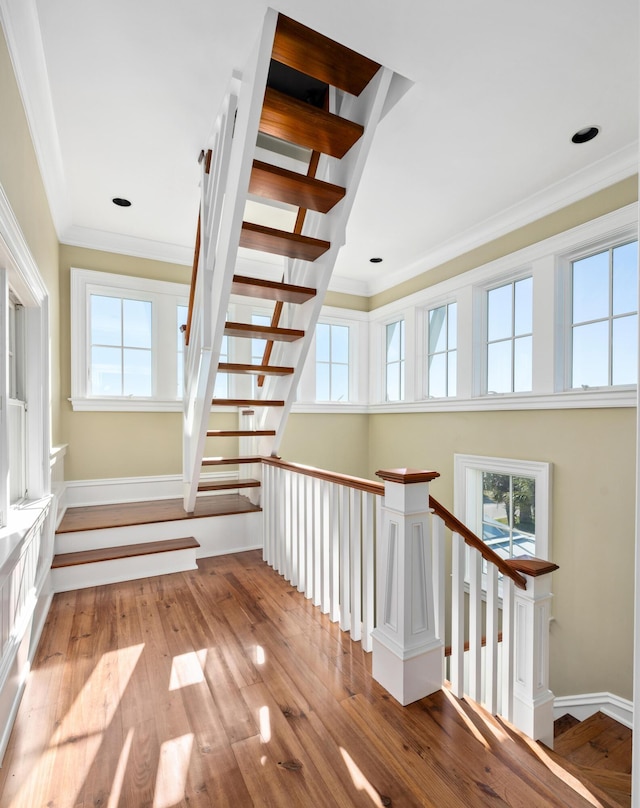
(23, 519)
(125, 405)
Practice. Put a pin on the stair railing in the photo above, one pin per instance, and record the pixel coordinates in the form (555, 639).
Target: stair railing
(373, 557)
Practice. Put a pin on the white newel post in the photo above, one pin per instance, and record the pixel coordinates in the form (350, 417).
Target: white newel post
(532, 698)
(408, 655)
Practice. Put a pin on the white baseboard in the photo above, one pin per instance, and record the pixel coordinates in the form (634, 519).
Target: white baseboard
(586, 704)
(132, 489)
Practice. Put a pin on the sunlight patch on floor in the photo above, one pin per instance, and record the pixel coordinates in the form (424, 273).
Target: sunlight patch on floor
(358, 778)
(173, 767)
(187, 669)
(265, 724)
(468, 722)
(121, 768)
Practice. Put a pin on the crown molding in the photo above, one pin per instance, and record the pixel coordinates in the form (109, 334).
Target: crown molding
(93, 239)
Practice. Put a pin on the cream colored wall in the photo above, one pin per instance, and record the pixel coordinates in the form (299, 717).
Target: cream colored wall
(334, 442)
(20, 178)
(593, 457)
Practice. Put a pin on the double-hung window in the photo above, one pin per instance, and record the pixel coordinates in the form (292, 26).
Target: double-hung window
(332, 362)
(127, 348)
(441, 351)
(509, 346)
(394, 361)
(604, 318)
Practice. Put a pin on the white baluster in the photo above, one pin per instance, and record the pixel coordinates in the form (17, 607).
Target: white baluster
(456, 662)
(506, 708)
(475, 625)
(368, 569)
(334, 553)
(325, 494)
(311, 537)
(345, 561)
(491, 647)
(317, 539)
(356, 564)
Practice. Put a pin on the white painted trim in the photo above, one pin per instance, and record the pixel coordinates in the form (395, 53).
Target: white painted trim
(115, 490)
(24, 276)
(92, 239)
(586, 704)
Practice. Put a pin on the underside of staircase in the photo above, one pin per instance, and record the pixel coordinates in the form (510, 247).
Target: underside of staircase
(292, 137)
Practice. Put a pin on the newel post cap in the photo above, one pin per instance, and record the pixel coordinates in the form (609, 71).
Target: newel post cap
(407, 476)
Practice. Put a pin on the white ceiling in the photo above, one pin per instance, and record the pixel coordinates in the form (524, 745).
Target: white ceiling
(121, 96)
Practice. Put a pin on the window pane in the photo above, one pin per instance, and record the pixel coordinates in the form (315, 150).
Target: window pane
(452, 317)
(522, 367)
(339, 383)
(499, 313)
(438, 375)
(394, 391)
(106, 371)
(323, 351)
(495, 498)
(137, 372)
(340, 344)
(524, 498)
(106, 323)
(499, 367)
(624, 368)
(221, 387)
(453, 370)
(591, 288)
(523, 306)
(438, 330)
(591, 355)
(323, 390)
(625, 278)
(136, 316)
(394, 341)
(182, 312)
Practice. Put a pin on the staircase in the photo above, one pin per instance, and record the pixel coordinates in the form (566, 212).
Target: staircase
(597, 751)
(292, 136)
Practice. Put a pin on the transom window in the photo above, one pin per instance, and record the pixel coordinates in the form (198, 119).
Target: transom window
(604, 318)
(509, 337)
(441, 351)
(394, 365)
(332, 362)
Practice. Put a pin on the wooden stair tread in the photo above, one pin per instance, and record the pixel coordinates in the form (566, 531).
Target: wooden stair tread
(229, 461)
(280, 242)
(267, 370)
(271, 290)
(610, 781)
(225, 485)
(239, 433)
(125, 551)
(253, 331)
(587, 732)
(284, 185)
(247, 402)
(316, 55)
(564, 723)
(288, 119)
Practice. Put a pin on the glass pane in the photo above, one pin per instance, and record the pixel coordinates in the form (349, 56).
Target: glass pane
(257, 350)
(499, 313)
(106, 371)
(523, 306)
(393, 382)
(224, 350)
(438, 375)
(624, 369)
(591, 288)
(438, 330)
(137, 372)
(499, 367)
(524, 500)
(340, 344)
(496, 501)
(221, 387)
(106, 323)
(522, 364)
(452, 312)
(136, 316)
(453, 373)
(179, 380)
(625, 278)
(339, 383)
(182, 312)
(323, 349)
(323, 390)
(394, 341)
(591, 355)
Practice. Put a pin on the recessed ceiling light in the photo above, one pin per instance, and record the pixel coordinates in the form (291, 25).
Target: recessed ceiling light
(586, 134)
(121, 203)
(376, 260)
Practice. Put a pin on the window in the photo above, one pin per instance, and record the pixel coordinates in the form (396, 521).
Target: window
(332, 362)
(604, 318)
(258, 346)
(509, 337)
(505, 502)
(394, 365)
(127, 350)
(441, 351)
(17, 409)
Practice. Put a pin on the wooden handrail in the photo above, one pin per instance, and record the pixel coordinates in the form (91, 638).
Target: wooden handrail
(196, 254)
(470, 538)
(359, 483)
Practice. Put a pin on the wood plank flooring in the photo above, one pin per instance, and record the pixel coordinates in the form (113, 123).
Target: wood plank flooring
(224, 686)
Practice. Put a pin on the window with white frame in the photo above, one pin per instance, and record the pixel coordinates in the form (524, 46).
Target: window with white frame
(604, 318)
(509, 352)
(127, 351)
(182, 312)
(332, 362)
(17, 405)
(442, 351)
(394, 361)
(505, 502)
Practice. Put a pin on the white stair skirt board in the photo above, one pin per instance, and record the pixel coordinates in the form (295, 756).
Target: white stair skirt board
(217, 535)
(583, 705)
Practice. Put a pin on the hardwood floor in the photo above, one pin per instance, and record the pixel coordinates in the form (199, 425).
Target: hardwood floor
(225, 687)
